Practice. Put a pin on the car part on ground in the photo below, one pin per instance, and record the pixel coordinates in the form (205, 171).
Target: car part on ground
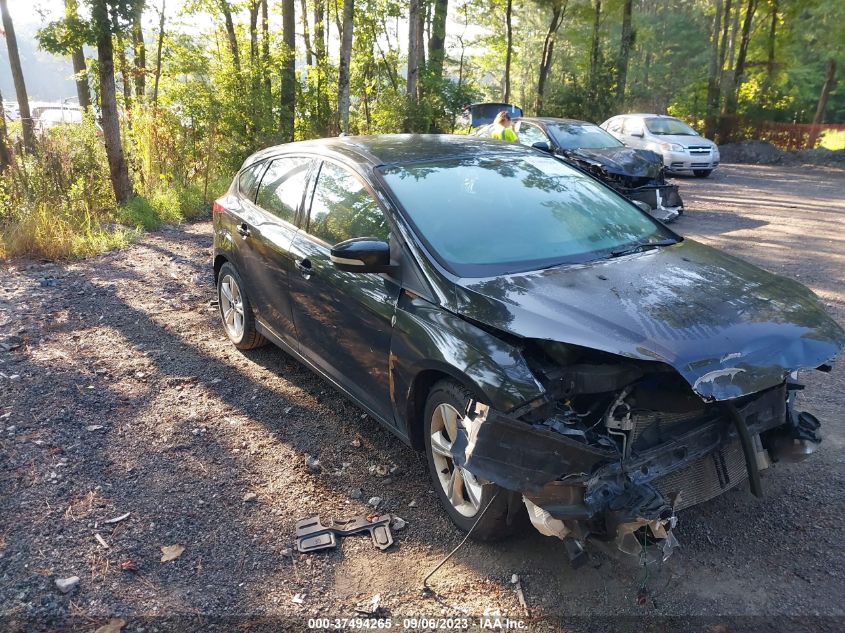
(589, 368)
(312, 535)
(682, 149)
(635, 173)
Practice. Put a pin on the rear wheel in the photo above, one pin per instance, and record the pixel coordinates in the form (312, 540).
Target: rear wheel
(463, 495)
(702, 173)
(236, 310)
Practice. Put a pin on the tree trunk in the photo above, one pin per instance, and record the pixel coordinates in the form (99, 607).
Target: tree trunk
(627, 40)
(83, 94)
(158, 52)
(770, 47)
(17, 77)
(345, 58)
(230, 34)
(306, 33)
(5, 155)
(558, 11)
(413, 53)
(140, 53)
(508, 51)
(265, 53)
(123, 67)
(437, 41)
(319, 31)
(713, 85)
(826, 88)
(737, 77)
(118, 169)
(288, 87)
(595, 52)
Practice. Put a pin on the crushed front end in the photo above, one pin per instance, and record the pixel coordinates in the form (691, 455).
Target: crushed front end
(615, 449)
(638, 175)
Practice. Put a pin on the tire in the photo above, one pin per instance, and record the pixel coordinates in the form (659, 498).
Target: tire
(494, 524)
(236, 310)
(702, 173)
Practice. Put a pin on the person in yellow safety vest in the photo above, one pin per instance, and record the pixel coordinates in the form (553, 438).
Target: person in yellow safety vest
(503, 128)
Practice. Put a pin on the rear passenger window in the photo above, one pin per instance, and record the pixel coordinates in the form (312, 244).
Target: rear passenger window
(248, 180)
(343, 208)
(282, 186)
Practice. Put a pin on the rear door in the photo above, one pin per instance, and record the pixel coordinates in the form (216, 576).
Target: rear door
(342, 319)
(278, 201)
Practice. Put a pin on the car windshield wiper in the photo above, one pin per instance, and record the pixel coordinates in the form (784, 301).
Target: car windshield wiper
(640, 247)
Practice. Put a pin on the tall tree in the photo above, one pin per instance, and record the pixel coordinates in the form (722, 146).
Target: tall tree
(437, 41)
(737, 76)
(17, 78)
(226, 10)
(506, 88)
(717, 61)
(319, 31)
(413, 50)
(103, 32)
(80, 71)
(558, 12)
(595, 53)
(265, 51)
(306, 32)
(345, 59)
(825, 93)
(625, 44)
(288, 87)
(158, 51)
(140, 52)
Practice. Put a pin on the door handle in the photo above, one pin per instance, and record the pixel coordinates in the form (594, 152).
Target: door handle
(243, 229)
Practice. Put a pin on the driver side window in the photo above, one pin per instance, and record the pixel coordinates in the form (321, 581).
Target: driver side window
(343, 208)
(530, 134)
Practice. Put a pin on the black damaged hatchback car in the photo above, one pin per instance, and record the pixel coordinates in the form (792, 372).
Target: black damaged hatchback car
(551, 347)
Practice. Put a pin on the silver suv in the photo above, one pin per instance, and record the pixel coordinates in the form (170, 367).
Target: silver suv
(683, 149)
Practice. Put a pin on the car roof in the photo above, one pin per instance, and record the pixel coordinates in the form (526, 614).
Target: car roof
(645, 114)
(551, 119)
(392, 149)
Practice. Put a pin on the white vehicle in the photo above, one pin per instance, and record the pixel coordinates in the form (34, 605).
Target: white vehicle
(683, 149)
(51, 115)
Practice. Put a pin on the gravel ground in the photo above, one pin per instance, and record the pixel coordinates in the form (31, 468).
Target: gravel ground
(122, 395)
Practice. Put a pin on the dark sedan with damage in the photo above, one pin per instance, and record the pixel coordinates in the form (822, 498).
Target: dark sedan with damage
(638, 174)
(550, 347)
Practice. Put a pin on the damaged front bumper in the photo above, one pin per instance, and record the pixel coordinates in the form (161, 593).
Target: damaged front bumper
(573, 489)
(663, 202)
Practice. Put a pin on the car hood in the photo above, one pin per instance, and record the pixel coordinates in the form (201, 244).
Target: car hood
(729, 328)
(627, 161)
(685, 139)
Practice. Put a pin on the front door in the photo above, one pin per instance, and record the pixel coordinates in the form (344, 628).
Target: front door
(342, 319)
(279, 199)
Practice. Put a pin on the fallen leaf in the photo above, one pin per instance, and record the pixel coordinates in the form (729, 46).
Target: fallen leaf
(171, 552)
(114, 626)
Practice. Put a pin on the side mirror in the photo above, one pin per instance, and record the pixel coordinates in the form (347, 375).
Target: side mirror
(542, 146)
(362, 255)
(638, 133)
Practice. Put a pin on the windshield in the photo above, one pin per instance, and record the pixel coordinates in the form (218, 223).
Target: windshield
(487, 216)
(664, 126)
(581, 136)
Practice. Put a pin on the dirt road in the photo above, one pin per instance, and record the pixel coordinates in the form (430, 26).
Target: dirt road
(121, 395)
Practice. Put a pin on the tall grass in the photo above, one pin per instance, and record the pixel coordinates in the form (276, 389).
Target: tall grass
(58, 203)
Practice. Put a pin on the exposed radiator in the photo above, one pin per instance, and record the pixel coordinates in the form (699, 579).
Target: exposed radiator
(706, 478)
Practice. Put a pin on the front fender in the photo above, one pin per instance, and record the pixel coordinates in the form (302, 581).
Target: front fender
(427, 337)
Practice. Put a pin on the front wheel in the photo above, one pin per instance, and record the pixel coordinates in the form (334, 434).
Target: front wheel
(702, 173)
(463, 495)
